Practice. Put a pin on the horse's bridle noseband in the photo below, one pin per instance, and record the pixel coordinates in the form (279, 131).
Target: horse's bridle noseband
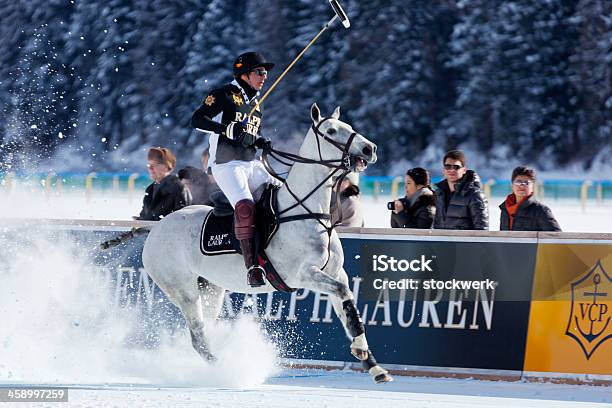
(345, 161)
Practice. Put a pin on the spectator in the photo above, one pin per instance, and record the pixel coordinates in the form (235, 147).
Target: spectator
(460, 202)
(418, 208)
(199, 183)
(166, 194)
(520, 211)
(349, 213)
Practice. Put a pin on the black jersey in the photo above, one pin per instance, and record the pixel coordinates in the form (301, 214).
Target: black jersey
(229, 103)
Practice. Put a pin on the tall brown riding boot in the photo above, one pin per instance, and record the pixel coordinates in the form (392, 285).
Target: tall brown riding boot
(244, 228)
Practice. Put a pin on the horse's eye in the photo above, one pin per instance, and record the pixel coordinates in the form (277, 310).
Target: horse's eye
(331, 131)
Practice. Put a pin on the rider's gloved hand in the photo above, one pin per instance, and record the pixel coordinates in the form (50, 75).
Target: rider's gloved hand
(263, 143)
(234, 130)
(237, 131)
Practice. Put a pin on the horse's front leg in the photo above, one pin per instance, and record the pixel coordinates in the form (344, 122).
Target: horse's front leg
(344, 306)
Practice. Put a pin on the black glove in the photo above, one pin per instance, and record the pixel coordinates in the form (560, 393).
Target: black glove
(263, 143)
(237, 131)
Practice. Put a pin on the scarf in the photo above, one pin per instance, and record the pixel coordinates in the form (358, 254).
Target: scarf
(512, 207)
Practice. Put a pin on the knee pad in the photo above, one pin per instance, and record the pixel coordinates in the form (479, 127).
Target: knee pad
(244, 219)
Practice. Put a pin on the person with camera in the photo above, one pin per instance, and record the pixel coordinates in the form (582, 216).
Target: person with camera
(418, 208)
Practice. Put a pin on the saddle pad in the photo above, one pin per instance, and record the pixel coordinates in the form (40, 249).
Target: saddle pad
(217, 237)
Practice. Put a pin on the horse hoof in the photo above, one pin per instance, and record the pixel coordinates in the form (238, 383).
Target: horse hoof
(383, 378)
(360, 354)
(380, 375)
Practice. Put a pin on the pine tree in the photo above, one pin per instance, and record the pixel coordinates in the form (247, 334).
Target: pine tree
(13, 39)
(43, 107)
(219, 39)
(591, 75)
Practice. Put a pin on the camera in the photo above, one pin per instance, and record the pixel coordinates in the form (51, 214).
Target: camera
(391, 204)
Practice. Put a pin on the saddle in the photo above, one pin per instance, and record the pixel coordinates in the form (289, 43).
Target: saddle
(217, 234)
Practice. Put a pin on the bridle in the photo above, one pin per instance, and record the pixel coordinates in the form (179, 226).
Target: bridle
(343, 166)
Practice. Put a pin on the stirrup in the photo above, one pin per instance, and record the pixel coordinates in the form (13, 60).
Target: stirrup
(255, 276)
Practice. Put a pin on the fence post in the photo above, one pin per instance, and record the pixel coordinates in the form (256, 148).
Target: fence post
(584, 194)
(89, 186)
(599, 193)
(376, 189)
(115, 185)
(395, 187)
(8, 181)
(538, 190)
(132, 185)
(48, 181)
(487, 188)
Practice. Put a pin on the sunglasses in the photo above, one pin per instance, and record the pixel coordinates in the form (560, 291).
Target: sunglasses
(452, 166)
(260, 72)
(522, 182)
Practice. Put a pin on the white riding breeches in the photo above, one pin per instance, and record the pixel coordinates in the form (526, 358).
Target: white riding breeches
(238, 179)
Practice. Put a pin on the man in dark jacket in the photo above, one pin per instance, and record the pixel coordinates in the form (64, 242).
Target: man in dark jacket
(418, 208)
(460, 201)
(166, 194)
(520, 211)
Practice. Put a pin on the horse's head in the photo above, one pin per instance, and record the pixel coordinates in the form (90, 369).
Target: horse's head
(338, 140)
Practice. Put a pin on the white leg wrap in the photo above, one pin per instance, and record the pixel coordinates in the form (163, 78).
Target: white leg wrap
(377, 370)
(360, 343)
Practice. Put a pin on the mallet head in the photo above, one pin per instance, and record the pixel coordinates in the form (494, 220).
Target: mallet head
(340, 13)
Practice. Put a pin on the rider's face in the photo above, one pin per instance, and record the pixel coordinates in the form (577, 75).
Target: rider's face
(256, 78)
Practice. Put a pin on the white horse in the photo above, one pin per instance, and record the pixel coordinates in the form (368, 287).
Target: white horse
(302, 251)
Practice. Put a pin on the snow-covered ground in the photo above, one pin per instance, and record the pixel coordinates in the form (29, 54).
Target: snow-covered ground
(60, 327)
(120, 206)
(339, 389)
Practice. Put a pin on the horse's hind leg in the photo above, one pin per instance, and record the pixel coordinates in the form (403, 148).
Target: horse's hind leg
(189, 300)
(344, 305)
(212, 299)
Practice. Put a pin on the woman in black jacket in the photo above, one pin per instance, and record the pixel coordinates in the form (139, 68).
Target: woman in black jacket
(166, 194)
(418, 208)
(520, 211)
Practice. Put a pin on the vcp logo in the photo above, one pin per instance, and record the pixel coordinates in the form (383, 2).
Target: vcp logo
(589, 322)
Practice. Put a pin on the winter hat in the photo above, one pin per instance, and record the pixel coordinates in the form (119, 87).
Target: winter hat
(162, 155)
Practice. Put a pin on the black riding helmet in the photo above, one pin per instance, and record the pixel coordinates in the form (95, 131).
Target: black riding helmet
(249, 61)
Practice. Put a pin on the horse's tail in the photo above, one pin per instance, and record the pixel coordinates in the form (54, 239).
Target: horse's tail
(126, 236)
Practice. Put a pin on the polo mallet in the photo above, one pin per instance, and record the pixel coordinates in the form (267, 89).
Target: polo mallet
(339, 13)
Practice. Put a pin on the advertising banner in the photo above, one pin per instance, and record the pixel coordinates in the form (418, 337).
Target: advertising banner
(447, 302)
(570, 328)
(489, 303)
